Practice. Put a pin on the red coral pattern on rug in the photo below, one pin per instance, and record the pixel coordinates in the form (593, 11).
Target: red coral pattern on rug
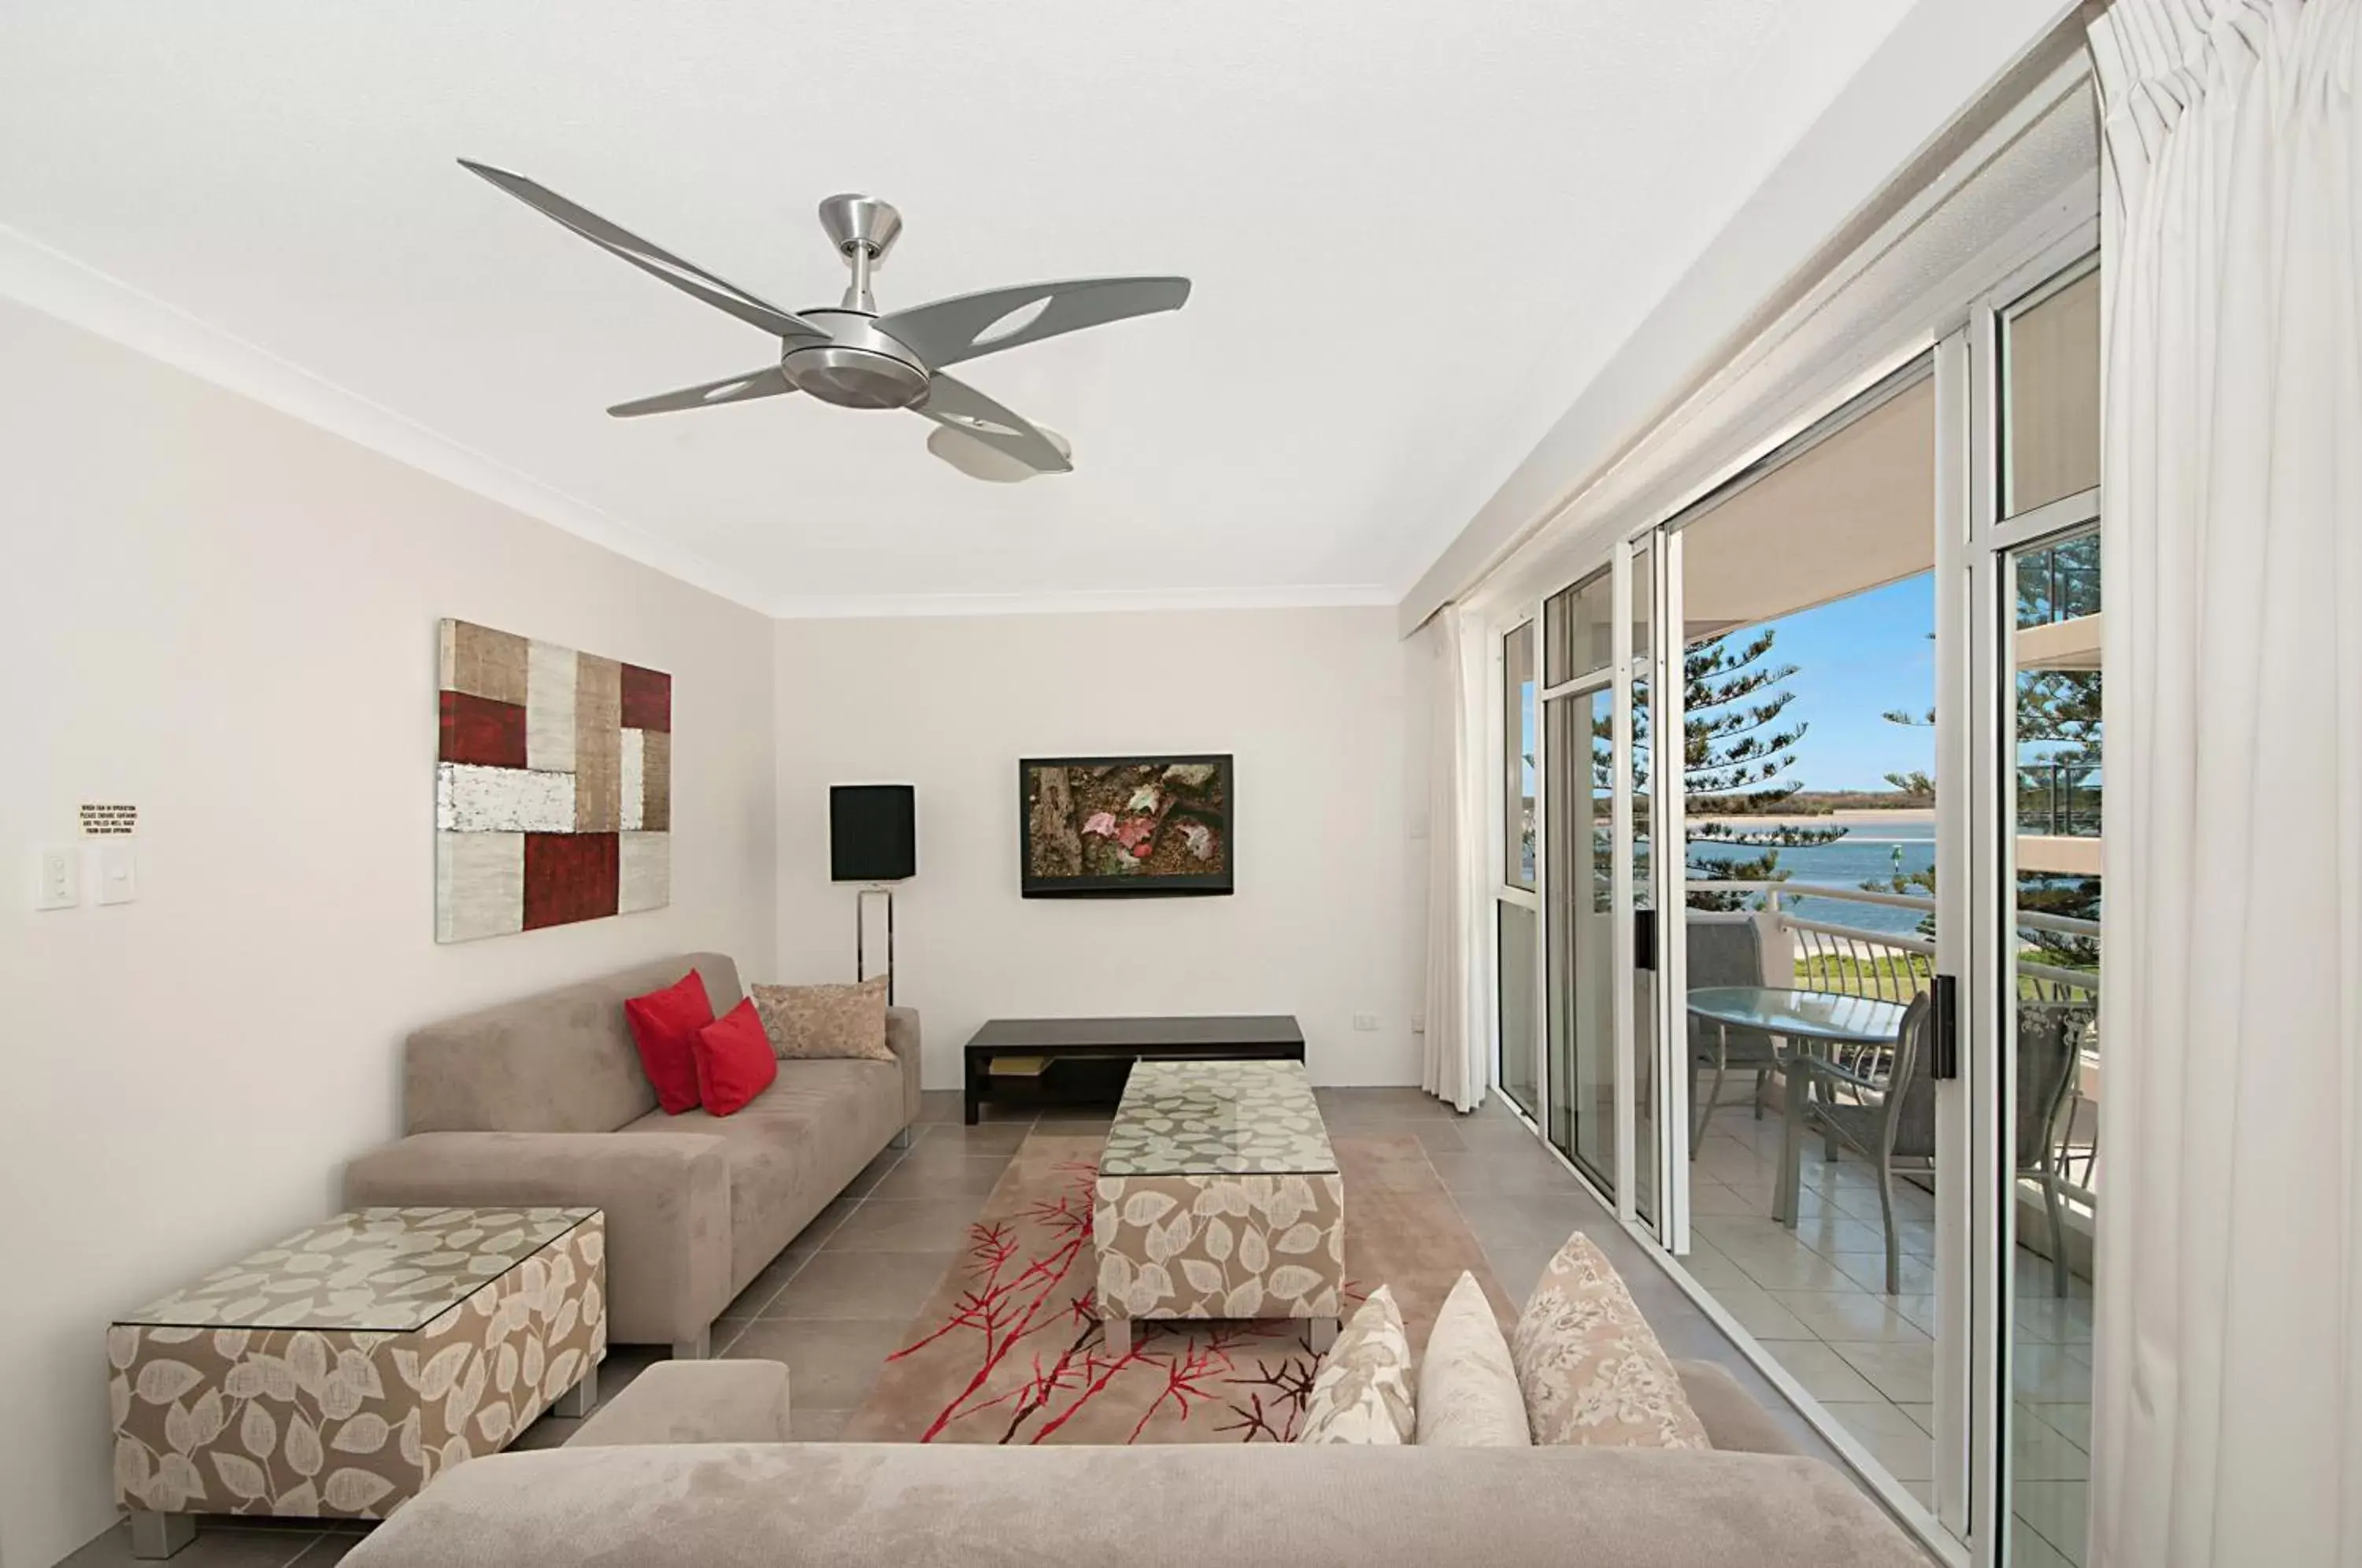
(1010, 1349)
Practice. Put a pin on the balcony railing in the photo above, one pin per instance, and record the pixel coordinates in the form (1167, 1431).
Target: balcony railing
(2059, 799)
(1828, 956)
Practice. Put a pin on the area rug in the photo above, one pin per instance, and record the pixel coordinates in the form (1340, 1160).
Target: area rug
(1008, 1349)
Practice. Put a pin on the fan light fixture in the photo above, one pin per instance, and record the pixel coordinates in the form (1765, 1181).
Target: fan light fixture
(849, 355)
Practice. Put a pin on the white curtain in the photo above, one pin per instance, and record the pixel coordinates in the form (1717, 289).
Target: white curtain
(2228, 1391)
(1458, 1053)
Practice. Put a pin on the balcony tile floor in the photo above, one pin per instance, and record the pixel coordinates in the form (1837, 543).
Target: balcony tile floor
(1815, 1297)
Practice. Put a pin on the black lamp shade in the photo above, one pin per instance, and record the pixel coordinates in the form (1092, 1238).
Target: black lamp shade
(873, 832)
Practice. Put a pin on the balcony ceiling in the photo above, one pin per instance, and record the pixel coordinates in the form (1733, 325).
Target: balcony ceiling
(1855, 511)
(1416, 233)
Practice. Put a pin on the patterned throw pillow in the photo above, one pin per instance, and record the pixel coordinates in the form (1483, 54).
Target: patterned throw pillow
(1362, 1393)
(806, 1022)
(1590, 1368)
(1467, 1385)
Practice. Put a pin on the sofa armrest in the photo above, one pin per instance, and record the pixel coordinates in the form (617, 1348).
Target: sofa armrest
(902, 1039)
(667, 1198)
(693, 1401)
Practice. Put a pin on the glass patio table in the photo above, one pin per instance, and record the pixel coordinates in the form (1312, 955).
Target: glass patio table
(1811, 1021)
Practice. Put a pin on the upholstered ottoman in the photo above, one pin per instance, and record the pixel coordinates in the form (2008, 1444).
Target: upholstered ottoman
(334, 1374)
(1218, 1196)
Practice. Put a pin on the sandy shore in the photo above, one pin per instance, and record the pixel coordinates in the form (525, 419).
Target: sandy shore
(1833, 819)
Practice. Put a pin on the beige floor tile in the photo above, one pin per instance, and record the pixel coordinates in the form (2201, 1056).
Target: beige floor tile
(969, 1176)
(876, 1286)
(992, 1138)
(2049, 1374)
(2069, 1419)
(1760, 1314)
(2028, 1550)
(1850, 1314)
(2052, 1320)
(1709, 1266)
(1792, 1268)
(1924, 1415)
(1915, 1276)
(1893, 1439)
(831, 1365)
(1904, 1371)
(1823, 1373)
(1710, 1197)
(905, 1225)
(1918, 1308)
(2039, 1451)
(2056, 1511)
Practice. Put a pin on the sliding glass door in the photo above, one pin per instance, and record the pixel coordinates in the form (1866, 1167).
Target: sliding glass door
(2037, 608)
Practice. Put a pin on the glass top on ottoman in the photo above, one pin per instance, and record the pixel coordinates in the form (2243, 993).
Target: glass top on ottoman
(1218, 1119)
(391, 1270)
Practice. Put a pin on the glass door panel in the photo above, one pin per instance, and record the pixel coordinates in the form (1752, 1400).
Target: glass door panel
(1799, 838)
(1520, 1040)
(2050, 1031)
(1580, 895)
(1640, 774)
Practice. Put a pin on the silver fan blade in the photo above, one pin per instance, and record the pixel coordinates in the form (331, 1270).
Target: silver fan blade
(769, 382)
(969, 411)
(654, 261)
(949, 331)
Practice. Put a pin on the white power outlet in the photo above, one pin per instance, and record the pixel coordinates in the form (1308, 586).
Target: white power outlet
(1419, 1024)
(57, 879)
(1366, 1023)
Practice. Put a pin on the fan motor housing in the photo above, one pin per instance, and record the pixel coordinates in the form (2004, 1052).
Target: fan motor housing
(858, 367)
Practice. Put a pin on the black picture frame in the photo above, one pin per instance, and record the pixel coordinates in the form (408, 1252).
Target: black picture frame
(1134, 885)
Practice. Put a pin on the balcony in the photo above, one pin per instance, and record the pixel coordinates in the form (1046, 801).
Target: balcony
(1814, 1295)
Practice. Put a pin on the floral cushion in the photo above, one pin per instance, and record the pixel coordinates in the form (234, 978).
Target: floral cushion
(1589, 1368)
(1362, 1393)
(1467, 1385)
(809, 1022)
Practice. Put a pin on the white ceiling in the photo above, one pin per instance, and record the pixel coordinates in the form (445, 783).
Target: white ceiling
(1415, 231)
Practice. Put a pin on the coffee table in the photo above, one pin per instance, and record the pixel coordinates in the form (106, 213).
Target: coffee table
(1219, 1197)
(335, 1372)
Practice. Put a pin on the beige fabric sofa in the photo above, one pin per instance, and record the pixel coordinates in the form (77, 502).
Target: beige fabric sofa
(700, 1480)
(543, 1101)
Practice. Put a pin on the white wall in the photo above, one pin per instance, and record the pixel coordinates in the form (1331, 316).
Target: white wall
(1316, 705)
(228, 617)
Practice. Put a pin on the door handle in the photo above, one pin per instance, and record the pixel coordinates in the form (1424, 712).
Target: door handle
(1644, 939)
(1944, 1033)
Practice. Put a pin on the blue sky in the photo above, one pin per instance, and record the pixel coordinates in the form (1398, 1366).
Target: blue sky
(1854, 659)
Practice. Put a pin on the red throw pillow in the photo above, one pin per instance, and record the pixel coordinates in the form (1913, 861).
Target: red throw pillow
(663, 1025)
(735, 1062)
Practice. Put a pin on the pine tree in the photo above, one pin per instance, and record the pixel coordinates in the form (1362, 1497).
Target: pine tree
(1738, 756)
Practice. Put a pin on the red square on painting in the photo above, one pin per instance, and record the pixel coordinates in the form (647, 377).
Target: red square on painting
(647, 699)
(478, 730)
(569, 876)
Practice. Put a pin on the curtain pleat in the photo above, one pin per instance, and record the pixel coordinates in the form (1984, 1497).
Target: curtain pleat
(2227, 1390)
(1456, 1050)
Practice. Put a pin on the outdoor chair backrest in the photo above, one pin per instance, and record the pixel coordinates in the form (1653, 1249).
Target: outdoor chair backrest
(1724, 950)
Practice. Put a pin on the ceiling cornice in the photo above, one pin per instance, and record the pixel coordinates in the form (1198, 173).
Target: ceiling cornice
(57, 285)
(1319, 596)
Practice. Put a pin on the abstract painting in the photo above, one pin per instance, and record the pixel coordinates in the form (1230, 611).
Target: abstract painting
(1100, 825)
(553, 786)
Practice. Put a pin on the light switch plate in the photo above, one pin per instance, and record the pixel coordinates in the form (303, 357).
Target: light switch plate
(57, 878)
(117, 871)
(1367, 1023)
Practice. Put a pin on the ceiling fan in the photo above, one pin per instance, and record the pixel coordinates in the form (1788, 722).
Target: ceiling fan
(851, 356)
